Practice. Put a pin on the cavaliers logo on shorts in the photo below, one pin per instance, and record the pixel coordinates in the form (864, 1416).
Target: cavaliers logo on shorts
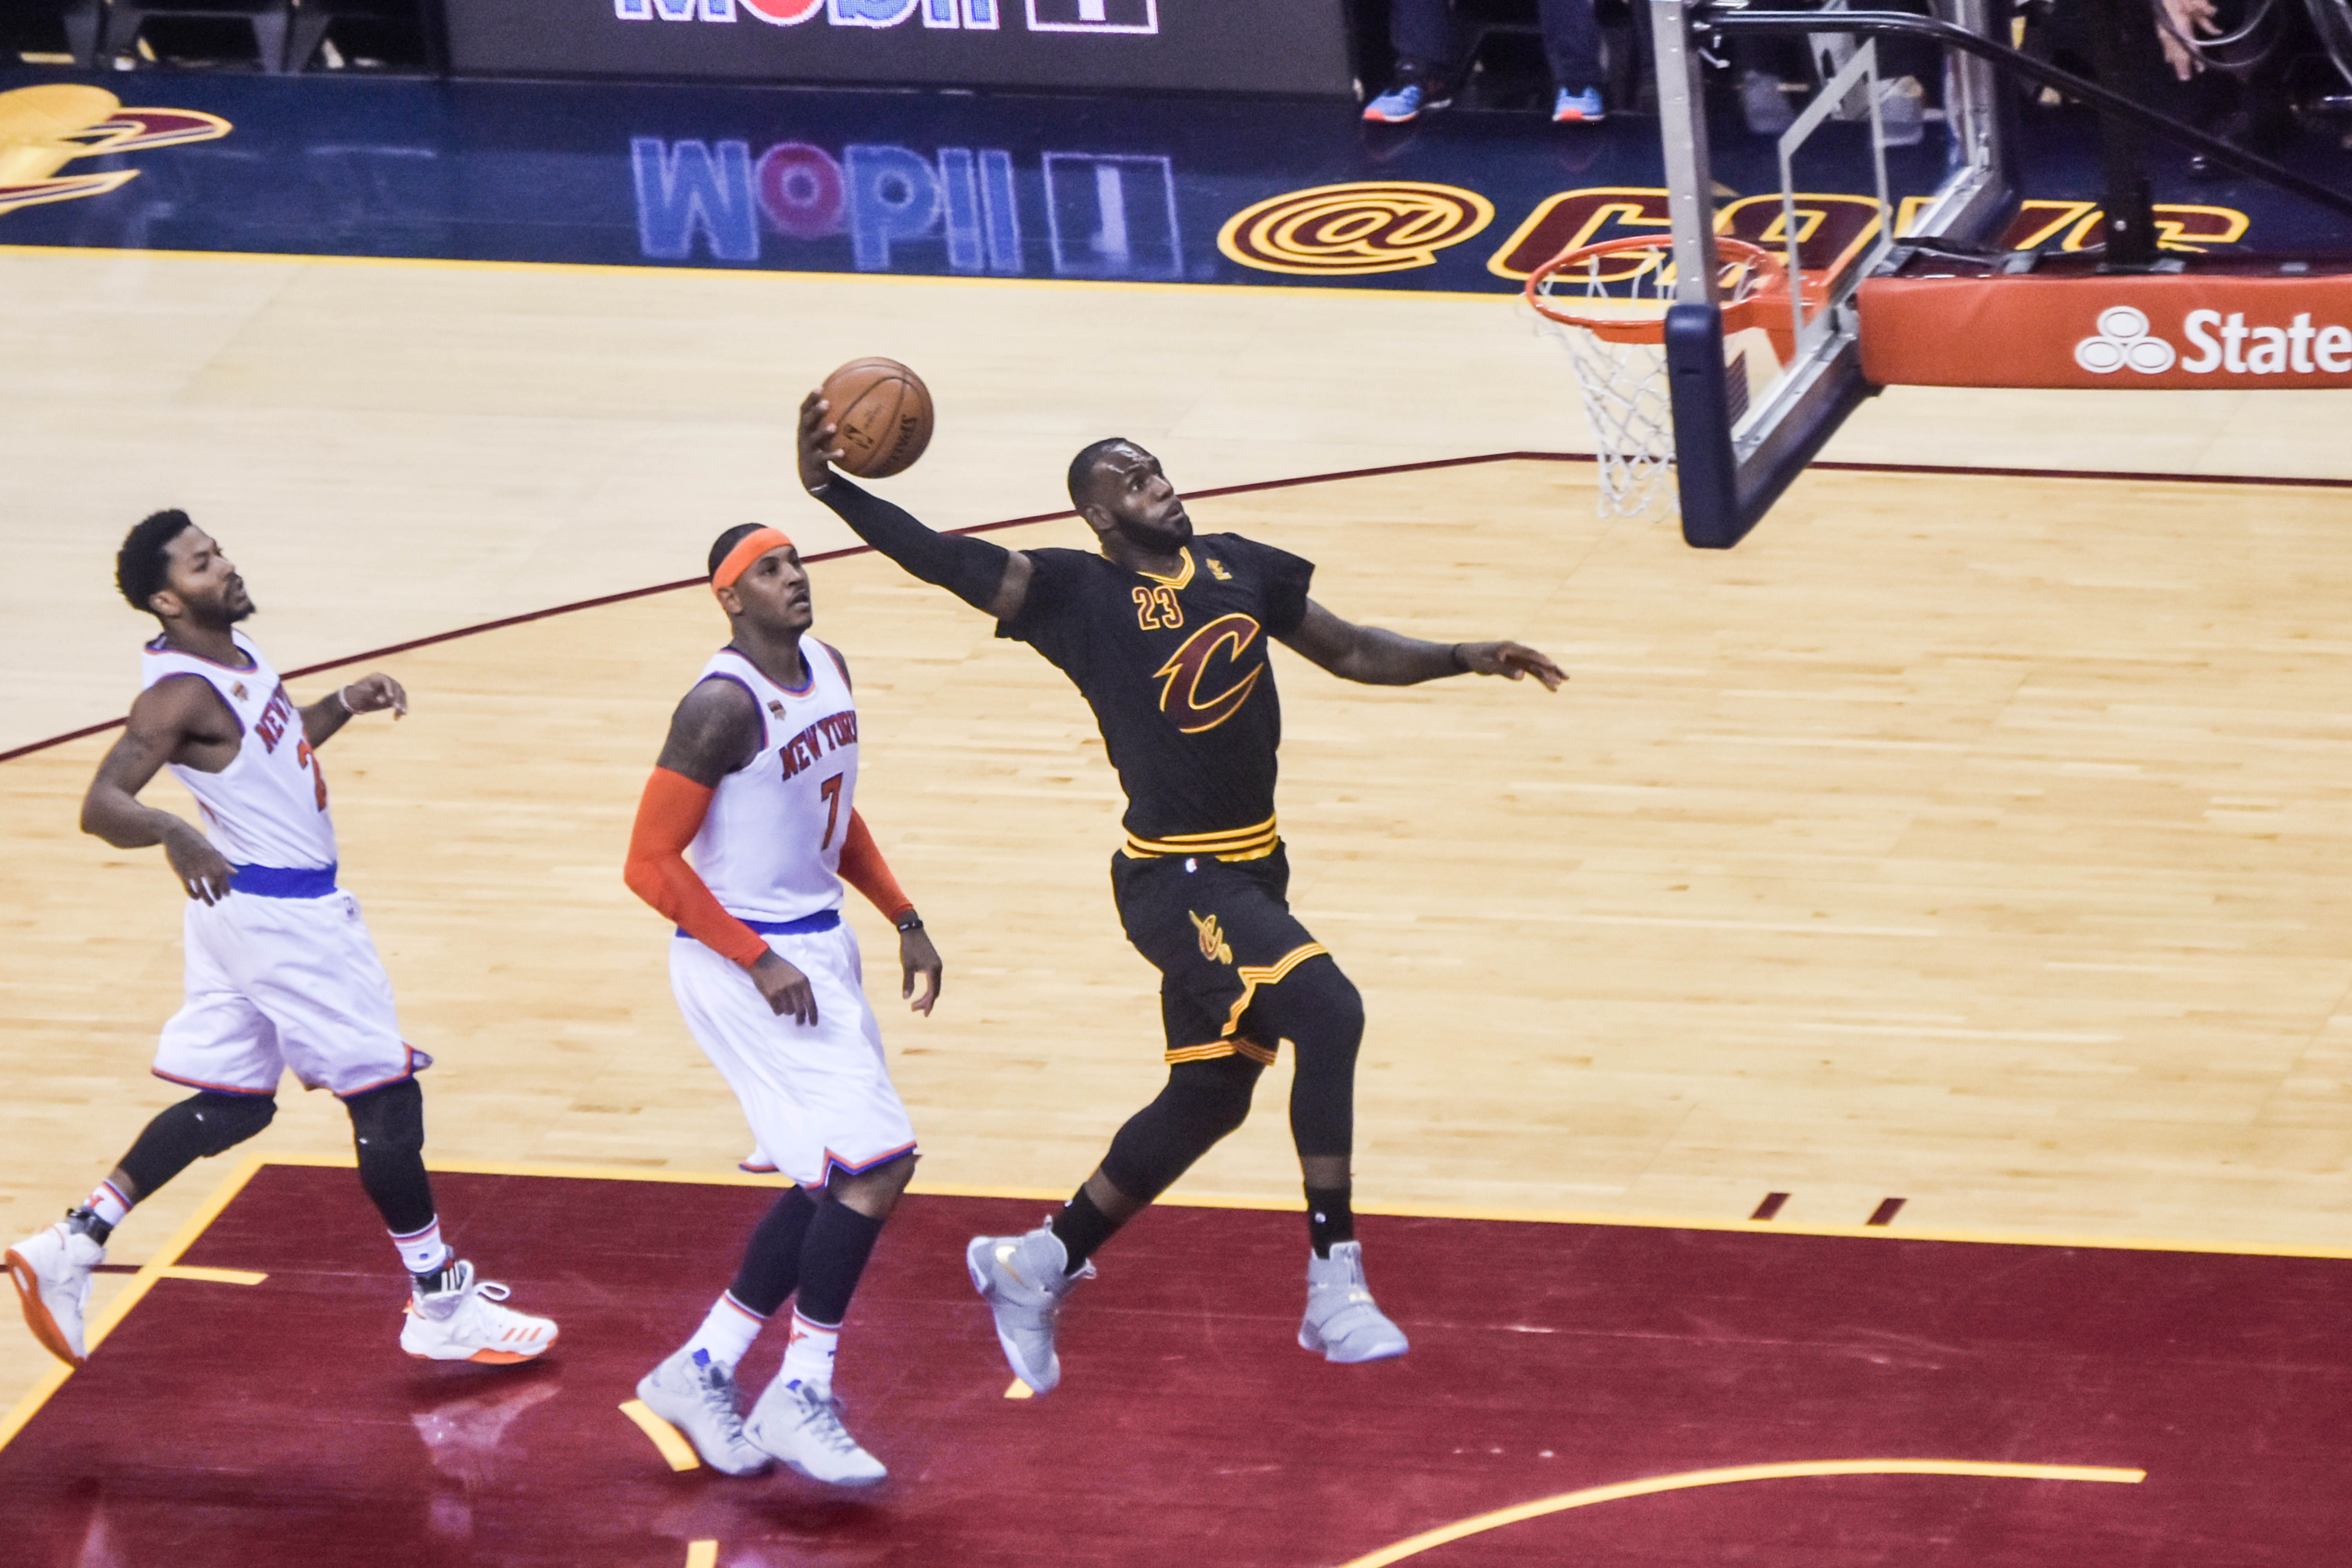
(1213, 940)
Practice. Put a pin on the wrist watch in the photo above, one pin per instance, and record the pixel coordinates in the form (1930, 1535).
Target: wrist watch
(908, 922)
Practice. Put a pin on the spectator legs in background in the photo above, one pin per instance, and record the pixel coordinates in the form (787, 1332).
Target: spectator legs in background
(1428, 49)
(1571, 35)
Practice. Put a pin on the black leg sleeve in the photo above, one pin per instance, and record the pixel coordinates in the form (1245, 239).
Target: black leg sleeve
(772, 1258)
(1200, 1104)
(1318, 1010)
(196, 1129)
(388, 1131)
(839, 1241)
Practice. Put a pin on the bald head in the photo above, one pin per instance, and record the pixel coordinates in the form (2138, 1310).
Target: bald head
(1087, 475)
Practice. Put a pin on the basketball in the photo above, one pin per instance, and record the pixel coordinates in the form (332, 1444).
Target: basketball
(883, 413)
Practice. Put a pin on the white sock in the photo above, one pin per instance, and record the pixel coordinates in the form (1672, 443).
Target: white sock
(107, 1202)
(727, 1332)
(423, 1251)
(808, 1358)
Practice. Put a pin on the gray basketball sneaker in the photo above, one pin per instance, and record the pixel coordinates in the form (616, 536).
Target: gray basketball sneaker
(1021, 1277)
(698, 1399)
(1341, 1320)
(801, 1427)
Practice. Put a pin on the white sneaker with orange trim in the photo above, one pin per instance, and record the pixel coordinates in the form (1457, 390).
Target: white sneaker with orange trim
(52, 1273)
(462, 1320)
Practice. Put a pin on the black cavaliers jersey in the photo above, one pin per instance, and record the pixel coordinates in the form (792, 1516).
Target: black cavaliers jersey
(1177, 673)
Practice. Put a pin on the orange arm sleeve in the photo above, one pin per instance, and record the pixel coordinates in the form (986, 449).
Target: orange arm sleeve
(863, 867)
(668, 817)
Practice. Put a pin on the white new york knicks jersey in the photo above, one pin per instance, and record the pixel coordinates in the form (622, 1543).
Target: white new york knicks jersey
(770, 850)
(269, 806)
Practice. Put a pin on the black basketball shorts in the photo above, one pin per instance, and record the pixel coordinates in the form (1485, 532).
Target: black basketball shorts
(1219, 932)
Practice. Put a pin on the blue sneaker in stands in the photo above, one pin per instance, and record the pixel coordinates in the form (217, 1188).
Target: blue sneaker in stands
(1405, 101)
(1581, 106)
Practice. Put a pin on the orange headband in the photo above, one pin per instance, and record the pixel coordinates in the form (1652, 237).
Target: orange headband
(750, 548)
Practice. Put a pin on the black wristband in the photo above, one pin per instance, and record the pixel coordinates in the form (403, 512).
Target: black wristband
(908, 922)
(1461, 667)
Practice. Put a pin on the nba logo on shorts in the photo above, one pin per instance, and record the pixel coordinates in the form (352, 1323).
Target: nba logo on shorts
(1094, 16)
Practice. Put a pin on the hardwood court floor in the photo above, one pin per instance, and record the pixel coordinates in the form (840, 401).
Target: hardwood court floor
(1644, 1396)
(1973, 840)
(472, 441)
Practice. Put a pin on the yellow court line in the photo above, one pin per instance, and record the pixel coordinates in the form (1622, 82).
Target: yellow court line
(1687, 1222)
(1590, 1495)
(214, 1276)
(702, 1554)
(48, 1382)
(162, 1265)
(1057, 1196)
(296, 258)
(666, 1437)
(1020, 1390)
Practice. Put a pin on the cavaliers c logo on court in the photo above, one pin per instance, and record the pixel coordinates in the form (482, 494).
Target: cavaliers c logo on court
(43, 129)
(1180, 678)
(1374, 225)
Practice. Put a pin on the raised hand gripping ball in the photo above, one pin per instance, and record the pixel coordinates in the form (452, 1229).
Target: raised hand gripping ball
(883, 413)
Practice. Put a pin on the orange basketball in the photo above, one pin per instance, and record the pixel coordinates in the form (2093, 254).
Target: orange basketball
(883, 413)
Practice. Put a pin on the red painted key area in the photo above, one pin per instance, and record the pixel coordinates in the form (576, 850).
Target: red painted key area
(246, 1427)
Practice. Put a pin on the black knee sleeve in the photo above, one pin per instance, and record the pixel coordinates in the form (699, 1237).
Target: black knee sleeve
(1319, 1011)
(1200, 1104)
(388, 1132)
(196, 1129)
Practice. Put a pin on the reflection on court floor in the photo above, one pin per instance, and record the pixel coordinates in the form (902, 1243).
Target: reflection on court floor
(1585, 1393)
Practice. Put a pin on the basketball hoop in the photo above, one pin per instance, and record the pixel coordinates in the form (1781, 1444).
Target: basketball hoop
(1607, 305)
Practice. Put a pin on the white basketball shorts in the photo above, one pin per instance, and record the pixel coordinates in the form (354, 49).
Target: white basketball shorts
(818, 1097)
(276, 984)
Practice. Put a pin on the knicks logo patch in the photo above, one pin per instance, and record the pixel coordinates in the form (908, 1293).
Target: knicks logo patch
(1214, 945)
(1182, 677)
(43, 129)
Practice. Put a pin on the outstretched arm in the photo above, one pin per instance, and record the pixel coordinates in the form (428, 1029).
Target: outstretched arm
(166, 718)
(1378, 658)
(365, 695)
(714, 732)
(984, 575)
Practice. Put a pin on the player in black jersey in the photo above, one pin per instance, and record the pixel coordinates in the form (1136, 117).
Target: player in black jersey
(1164, 632)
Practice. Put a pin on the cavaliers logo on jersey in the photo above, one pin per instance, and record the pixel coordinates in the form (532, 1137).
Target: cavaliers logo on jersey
(1196, 665)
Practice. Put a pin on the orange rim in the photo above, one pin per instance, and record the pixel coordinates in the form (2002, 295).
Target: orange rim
(1769, 271)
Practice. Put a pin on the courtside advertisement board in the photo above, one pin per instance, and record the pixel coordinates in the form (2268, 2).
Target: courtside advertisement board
(2182, 330)
(1230, 46)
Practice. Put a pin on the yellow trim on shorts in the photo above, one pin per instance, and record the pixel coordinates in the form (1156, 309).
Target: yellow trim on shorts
(1254, 976)
(1253, 843)
(1215, 1049)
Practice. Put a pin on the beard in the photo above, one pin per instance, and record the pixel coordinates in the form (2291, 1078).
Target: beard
(1169, 537)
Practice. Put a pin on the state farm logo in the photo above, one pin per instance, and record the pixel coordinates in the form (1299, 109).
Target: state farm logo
(2217, 341)
(2123, 340)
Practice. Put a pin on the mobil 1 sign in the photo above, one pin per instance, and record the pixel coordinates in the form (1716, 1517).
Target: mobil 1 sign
(1235, 45)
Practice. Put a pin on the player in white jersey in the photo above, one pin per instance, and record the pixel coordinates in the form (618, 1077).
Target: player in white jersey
(758, 781)
(281, 975)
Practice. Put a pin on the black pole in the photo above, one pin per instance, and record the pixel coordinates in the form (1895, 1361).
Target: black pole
(2123, 38)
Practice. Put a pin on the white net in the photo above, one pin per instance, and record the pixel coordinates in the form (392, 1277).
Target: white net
(1623, 385)
(1624, 286)
(1625, 401)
